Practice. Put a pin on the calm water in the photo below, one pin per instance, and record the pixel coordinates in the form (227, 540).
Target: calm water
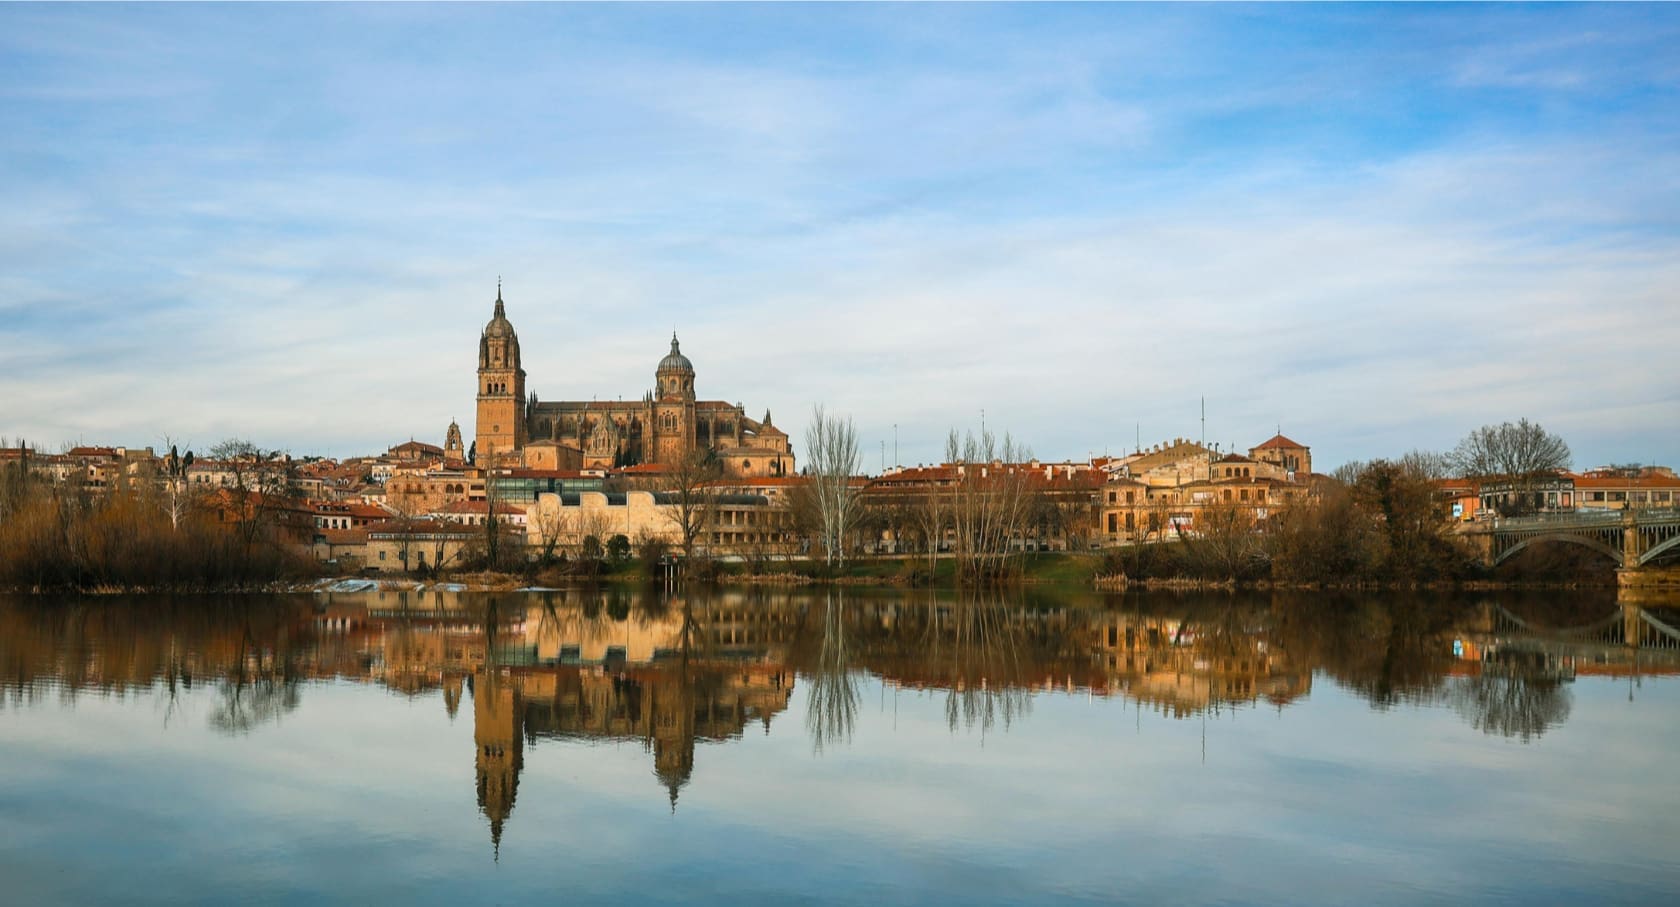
(772, 747)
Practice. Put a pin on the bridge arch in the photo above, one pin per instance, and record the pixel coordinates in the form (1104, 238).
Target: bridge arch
(1659, 549)
(1598, 545)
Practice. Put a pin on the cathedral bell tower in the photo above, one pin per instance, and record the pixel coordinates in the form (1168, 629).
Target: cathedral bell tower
(501, 389)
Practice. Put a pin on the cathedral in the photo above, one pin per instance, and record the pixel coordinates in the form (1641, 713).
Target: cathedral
(662, 427)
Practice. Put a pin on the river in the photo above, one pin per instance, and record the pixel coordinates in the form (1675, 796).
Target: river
(838, 746)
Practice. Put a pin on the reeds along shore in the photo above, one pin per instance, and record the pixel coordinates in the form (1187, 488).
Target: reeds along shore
(56, 538)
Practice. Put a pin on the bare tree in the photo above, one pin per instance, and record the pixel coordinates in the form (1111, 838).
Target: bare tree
(263, 482)
(992, 502)
(933, 519)
(406, 525)
(831, 449)
(176, 494)
(552, 524)
(594, 525)
(693, 495)
(492, 521)
(1225, 544)
(1515, 453)
(1425, 464)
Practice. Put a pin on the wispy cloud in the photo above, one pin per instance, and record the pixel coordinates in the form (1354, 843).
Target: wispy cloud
(1078, 219)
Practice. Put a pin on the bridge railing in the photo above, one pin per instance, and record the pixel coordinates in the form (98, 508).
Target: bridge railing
(1578, 518)
(1542, 520)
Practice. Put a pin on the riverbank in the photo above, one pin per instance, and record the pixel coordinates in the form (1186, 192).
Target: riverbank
(1053, 570)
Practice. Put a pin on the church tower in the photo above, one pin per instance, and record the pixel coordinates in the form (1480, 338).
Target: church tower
(501, 389)
(673, 406)
(452, 449)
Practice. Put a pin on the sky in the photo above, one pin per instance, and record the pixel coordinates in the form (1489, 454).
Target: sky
(1374, 227)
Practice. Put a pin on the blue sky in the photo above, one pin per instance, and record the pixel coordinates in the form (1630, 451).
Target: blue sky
(1378, 227)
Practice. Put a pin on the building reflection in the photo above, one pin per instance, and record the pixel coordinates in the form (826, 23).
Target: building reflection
(1181, 666)
(671, 673)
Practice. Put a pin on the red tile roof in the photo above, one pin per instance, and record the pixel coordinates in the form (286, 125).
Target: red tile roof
(1614, 482)
(480, 507)
(1277, 442)
(764, 481)
(354, 509)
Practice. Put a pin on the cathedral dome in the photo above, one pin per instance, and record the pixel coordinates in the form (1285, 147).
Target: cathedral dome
(675, 361)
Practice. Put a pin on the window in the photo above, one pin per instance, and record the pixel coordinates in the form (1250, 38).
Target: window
(382, 554)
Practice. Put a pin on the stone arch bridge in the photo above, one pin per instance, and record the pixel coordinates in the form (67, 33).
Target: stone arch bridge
(1631, 538)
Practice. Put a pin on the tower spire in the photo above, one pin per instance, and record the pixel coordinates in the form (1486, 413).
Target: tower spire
(500, 312)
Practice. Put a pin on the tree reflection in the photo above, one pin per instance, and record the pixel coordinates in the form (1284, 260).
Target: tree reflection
(1517, 694)
(260, 687)
(831, 703)
(246, 703)
(980, 643)
(1389, 649)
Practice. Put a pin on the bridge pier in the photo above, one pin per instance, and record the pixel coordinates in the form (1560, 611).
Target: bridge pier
(1483, 543)
(1632, 625)
(1654, 580)
(1631, 547)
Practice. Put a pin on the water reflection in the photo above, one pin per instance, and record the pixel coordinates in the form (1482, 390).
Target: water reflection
(833, 697)
(673, 672)
(1515, 694)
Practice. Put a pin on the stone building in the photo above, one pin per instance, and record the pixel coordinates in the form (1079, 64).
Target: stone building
(663, 426)
(730, 523)
(1288, 455)
(1165, 489)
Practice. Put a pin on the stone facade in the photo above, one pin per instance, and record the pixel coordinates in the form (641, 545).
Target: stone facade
(1159, 492)
(734, 524)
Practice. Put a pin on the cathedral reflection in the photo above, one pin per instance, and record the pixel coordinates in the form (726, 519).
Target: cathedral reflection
(573, 671)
